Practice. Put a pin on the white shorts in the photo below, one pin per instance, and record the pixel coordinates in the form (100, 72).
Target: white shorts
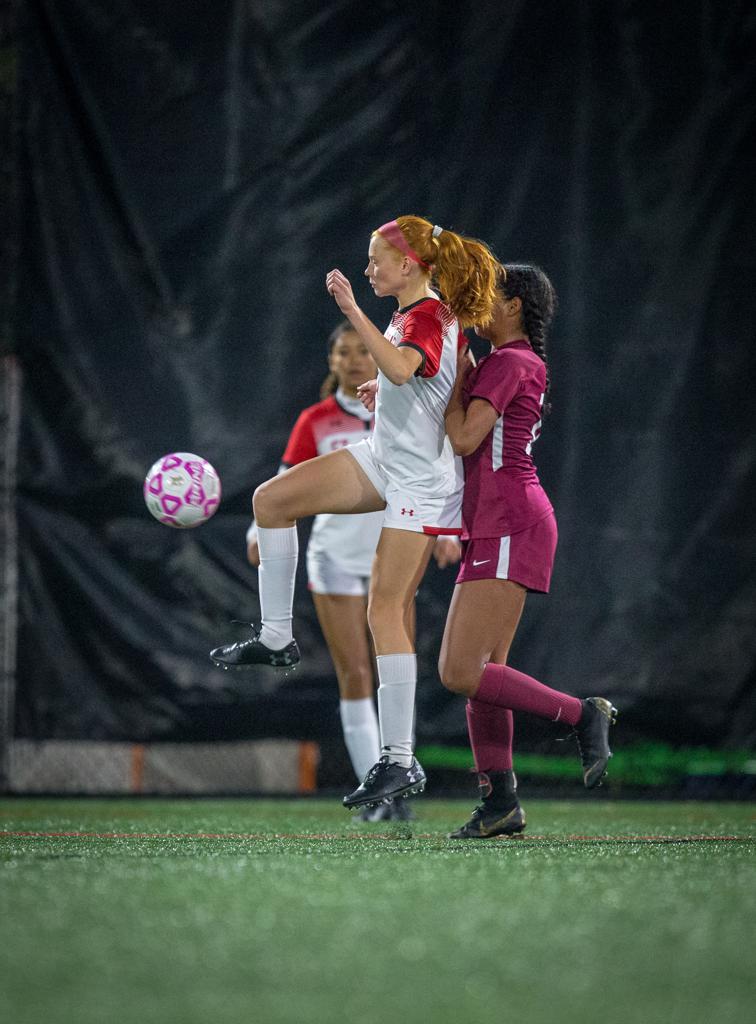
(406, 510)
(324, 576)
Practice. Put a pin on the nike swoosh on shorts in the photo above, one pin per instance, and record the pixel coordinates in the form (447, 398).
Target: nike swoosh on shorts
(482, 562)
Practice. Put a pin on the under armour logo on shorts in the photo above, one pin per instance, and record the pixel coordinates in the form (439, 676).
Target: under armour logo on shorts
(408, 511)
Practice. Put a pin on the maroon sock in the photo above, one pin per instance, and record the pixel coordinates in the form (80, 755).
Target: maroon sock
(490, 730)
(507, 688)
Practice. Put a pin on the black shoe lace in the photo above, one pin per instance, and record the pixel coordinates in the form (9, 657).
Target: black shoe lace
(240, 644)
(572, 734)
(581, 753)
(585, 752)
(380, 766)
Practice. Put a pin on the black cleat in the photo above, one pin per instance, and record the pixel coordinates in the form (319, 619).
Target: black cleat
(249, 652)
(387, 780)
(499, 814)
(592, 735)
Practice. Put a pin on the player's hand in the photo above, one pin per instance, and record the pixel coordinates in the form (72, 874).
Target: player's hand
(366, 393)
(253, 553)
(338, 286)
(447, 551)
(465, 363)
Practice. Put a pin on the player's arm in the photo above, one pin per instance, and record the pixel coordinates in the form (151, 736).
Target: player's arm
(398, 364)
(467, 428)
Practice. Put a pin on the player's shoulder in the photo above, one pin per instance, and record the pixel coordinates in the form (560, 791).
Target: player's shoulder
(509, 352)
(500, 360)
(325, 407)
(508, 363)
(430, 307)
(516, 355)
(437, 309)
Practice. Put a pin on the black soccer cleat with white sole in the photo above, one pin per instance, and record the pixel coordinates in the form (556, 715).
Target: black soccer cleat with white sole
(499, 813)
(250, 652)
(387, 780)
(592, 735)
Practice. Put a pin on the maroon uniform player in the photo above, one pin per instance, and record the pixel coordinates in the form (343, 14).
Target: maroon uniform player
(509, 540)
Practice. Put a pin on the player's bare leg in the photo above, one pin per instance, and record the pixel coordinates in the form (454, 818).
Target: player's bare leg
(330, 483)
(483, 616)
(481, 624)
(466, 668)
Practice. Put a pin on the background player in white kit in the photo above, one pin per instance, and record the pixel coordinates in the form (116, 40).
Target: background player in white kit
(407, 469)
(340, 552)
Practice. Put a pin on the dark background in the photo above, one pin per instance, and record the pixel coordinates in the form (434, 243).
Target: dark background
(185, 175)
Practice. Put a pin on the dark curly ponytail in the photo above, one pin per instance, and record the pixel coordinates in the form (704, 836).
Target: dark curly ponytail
(539, 302)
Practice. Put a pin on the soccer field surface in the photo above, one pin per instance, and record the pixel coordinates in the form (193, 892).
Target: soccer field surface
(286, 911)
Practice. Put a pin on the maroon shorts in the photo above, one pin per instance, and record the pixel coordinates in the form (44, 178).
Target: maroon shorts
(526, 557)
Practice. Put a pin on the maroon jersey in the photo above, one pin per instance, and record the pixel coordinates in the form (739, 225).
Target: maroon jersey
(503, 494)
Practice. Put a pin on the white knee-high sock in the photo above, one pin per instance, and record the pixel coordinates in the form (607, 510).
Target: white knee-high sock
(360, 724)
(279, 550)
(397, 675)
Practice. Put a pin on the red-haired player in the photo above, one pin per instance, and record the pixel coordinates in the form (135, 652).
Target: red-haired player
(407, 468)
(509, 540)
(341, 549)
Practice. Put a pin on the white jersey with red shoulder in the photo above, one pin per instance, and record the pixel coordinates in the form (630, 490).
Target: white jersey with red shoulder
(348, 540)
(410, 440)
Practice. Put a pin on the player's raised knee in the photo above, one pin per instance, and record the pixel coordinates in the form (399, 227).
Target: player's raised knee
(266, 501)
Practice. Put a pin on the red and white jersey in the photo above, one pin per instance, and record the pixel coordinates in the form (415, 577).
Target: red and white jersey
(410, 441)
(348, 540)
(503, 494)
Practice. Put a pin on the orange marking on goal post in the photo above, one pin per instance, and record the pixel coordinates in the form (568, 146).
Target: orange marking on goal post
(137, 767)
(309, 757)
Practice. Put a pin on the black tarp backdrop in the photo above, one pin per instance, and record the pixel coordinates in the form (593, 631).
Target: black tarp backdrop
(188, 173)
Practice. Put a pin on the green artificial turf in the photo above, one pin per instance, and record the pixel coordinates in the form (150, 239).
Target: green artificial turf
(273, 912)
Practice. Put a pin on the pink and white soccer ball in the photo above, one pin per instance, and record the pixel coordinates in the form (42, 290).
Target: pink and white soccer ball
(182, 490)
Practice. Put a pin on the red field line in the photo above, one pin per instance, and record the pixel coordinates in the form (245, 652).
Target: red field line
(403, 832)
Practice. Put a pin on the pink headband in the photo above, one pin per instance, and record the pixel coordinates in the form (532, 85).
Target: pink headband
(394, 236)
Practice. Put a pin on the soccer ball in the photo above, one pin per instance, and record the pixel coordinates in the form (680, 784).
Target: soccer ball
(182, 490)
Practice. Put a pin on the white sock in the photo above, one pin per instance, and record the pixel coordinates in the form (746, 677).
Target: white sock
(279, 550)
(397, 675)
(360, 724)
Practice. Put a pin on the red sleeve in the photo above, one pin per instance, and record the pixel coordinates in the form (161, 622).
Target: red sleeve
(423, 331)
(301, 446)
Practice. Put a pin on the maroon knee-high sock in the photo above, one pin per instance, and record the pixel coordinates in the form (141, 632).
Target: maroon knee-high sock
(490, 730)
(507, 688)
